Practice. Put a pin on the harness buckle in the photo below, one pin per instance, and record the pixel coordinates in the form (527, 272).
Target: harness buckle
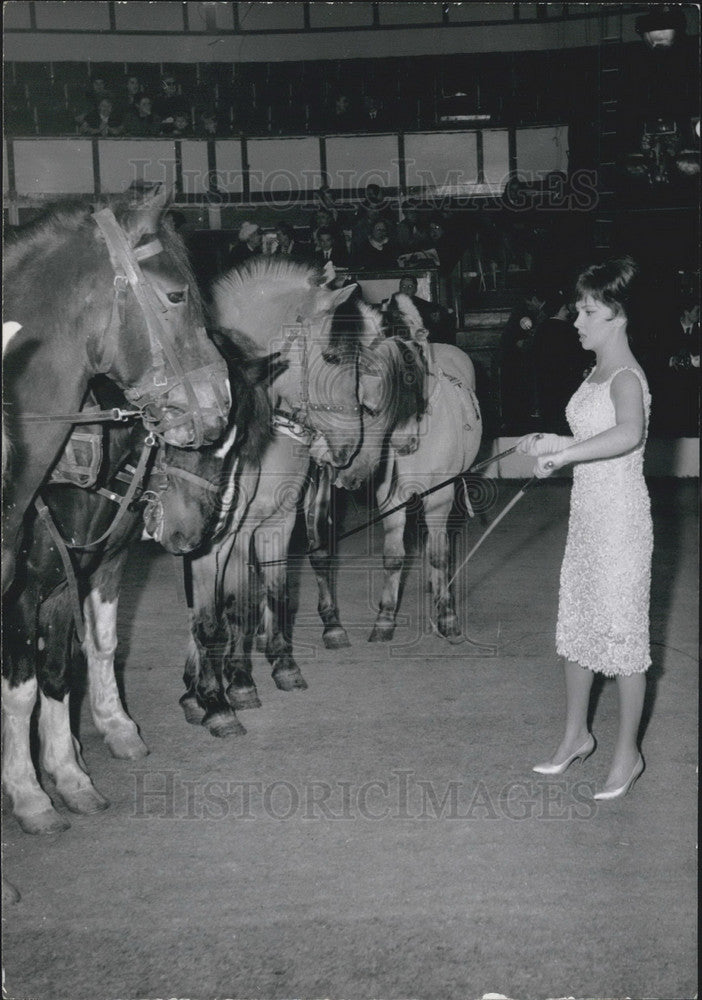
(150, 440)
(120, 282)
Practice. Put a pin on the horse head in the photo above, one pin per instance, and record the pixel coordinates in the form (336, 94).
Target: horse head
(393, 396)
(154, 345)
(271, 305)
(192, 491)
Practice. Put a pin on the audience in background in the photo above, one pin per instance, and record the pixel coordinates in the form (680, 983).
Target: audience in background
(288, 247)
(102, 120)
(249, 244)
(330, 249)
(438, 322)
(378, 252)
(141, 122)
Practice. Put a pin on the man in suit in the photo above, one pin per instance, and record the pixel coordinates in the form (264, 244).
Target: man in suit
(287, 245)
(331, 249)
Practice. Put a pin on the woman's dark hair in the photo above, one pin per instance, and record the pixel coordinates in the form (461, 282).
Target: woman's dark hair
(611, 283)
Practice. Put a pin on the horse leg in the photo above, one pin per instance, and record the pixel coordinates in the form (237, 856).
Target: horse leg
(59, 753)
(204, 702)
(334, 635)
(30, 803)
(213, 642)
(111, 721)
(240, 615)
(393, 561)
(271, 542)
(438, 553)
(318, 498)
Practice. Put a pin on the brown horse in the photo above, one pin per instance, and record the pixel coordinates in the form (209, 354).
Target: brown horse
(107, 290)
(44, 604)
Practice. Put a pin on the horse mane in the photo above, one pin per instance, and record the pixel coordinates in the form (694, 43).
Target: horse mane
(406, 378)
(262, 297)
(252, 412)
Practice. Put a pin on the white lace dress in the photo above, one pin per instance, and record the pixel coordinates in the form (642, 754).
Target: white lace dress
(603, 608)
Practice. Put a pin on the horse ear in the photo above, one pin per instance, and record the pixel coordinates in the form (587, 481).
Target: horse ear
(145, 211)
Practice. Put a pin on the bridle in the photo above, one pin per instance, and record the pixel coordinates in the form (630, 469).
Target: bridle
(155, 309)
(295, 421)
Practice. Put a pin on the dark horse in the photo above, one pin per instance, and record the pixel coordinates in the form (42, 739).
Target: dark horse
(181, 491)
(108, 290)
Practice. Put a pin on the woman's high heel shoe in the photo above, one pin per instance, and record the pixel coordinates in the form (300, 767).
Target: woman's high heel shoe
(585, 750)
(620, 792)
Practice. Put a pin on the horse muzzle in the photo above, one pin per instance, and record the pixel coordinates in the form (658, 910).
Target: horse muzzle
(188, 412)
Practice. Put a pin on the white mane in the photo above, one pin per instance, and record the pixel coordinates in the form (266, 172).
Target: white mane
(263, 297)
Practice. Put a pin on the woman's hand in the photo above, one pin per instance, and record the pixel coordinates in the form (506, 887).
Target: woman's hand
(545, 465)
(540, 444)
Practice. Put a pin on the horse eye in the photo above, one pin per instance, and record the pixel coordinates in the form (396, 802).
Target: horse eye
(331, 359)
(176, 297)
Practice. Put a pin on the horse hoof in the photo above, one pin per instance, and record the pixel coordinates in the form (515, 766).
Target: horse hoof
(382, 633)
(242, 698)
(10, 895)
(336, 638)
(46, 822)
(222, 724)
(192, 709)
(126, 745)
(83, 801)
(261, 643)
(455, 638)
(289, 680)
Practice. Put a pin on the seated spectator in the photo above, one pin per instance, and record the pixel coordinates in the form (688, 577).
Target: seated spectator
(169, 102)
(206, 125)
(127, 97)
(379, 252)
(330, 249)
(341, 116)
(180, 128)
(442, 241)
(81, 107)
(102, 121)
(412, 232)
(97, 89)
(249, 245)
(142, 122)
(288, 247)
(324, 219)
(373, 117)
(375, 207)
(438, 321)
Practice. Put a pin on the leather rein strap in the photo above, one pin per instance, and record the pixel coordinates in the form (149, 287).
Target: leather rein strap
(63, 546)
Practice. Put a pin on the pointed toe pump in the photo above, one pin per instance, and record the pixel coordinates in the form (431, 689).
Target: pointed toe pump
(584, 752)
(619, 793)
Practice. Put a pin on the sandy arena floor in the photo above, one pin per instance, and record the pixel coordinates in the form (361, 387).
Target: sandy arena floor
(382, 835)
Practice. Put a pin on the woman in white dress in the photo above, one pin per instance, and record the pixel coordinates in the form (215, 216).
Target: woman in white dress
(603, 608)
